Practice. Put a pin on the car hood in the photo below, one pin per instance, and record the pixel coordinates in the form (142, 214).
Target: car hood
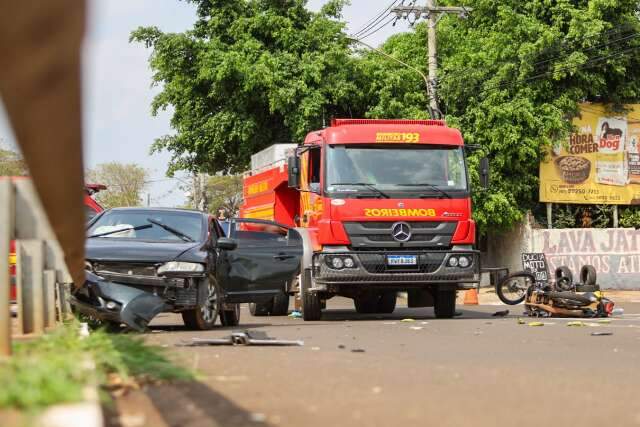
(105, 249)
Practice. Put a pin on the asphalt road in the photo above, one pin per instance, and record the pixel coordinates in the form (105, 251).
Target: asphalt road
(475, 370)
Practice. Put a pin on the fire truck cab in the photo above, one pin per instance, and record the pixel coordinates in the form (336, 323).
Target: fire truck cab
(382, 206)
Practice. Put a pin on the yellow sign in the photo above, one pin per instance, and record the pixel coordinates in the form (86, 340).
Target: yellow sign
(400, 212)
(258, 187)
(13, 259)
(599, 163)
(398, 137)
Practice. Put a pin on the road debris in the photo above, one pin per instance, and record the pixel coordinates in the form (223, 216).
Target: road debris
(408, 320)
(604, 321)
(341, 347)
(577, 323)
(601, 334)
(520, 321)
(242, 338)
(357, 350)
(315, 348)
(535, 324)
(295, 314)
(416, 328)
(500, 313)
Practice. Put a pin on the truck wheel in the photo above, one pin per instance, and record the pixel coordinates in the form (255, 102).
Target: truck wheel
(230, 317)
(280, 305)
(261, 308)
(387, 302)
(367, 303)
(203, 317)
(311, 304)
(445, 303)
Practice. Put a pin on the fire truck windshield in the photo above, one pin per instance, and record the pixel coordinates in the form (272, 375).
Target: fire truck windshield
(421, 171)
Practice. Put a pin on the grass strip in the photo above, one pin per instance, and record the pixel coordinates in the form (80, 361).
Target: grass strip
(56, 367)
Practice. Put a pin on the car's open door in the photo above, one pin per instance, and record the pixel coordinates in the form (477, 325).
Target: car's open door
(264, 263)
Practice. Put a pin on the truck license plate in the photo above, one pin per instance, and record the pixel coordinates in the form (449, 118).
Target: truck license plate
(402, 260)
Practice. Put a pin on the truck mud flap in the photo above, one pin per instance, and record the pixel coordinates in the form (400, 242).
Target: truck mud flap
(115, 302)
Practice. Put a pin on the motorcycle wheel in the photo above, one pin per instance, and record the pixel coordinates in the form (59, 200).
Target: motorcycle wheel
(512, 290)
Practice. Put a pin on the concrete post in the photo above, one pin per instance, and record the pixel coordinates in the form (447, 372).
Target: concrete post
(50, 298)
(6, 225)
(30, 254)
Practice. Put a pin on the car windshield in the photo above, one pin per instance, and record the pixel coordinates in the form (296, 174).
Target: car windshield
(410, 169)
(136, 225)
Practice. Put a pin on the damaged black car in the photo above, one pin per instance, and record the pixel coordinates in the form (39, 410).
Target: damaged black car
(144, 261)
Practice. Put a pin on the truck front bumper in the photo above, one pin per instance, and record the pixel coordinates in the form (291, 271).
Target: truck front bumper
(374, 268)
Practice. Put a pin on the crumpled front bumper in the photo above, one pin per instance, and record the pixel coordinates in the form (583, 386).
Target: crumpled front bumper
(116, 302)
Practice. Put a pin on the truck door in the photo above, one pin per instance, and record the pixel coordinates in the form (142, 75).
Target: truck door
(264, 264)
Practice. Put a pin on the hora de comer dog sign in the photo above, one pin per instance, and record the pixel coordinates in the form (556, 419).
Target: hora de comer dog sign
(614, 252)
(600, 161)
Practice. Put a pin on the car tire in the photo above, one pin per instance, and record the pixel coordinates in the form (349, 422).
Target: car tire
(387, 302)
(444, 303)
(311, 304)
(280, 305)
(367, 303)
(204, 316)
(230, 317)
(261, 308)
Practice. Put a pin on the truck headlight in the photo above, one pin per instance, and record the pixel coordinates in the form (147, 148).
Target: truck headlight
(180, 267)
(464, 262)
(453, 262)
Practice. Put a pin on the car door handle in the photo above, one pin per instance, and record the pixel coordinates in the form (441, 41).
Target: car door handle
(282, 257)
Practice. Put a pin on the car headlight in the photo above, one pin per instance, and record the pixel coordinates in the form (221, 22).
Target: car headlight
(180, 267)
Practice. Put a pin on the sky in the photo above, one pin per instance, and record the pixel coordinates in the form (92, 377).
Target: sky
(117, 120)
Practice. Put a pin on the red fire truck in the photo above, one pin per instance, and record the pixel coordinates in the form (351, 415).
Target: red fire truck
(382, 206)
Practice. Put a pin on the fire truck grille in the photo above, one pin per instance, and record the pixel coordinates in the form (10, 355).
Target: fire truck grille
(379, 235)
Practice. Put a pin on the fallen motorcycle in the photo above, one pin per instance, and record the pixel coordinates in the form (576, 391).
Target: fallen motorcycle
(562, 298)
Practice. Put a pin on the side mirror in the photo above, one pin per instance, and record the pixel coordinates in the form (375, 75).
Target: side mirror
(226, 244)
(293, 165)
(484, 172)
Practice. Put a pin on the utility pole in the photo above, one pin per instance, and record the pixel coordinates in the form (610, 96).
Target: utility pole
(433, 13)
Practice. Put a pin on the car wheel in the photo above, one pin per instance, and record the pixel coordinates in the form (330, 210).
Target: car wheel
(280, 305)
(230, 317)
(261, 308)
(204, 316)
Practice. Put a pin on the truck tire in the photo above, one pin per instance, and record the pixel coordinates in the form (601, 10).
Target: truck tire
(260, 308)
(203, 317)
(280, 305)
(367, 303)
(230, 317)
(311, 304)
(387, 302)
(444, 303)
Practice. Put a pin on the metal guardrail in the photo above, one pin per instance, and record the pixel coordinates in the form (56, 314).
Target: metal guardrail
(42, 279)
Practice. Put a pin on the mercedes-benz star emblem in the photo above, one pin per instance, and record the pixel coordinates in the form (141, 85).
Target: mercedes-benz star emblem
(401, 232)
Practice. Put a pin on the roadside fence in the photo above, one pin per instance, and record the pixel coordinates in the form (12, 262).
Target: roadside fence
(41, 278)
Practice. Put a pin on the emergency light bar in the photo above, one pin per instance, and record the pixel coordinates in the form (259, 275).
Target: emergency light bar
(340, 122)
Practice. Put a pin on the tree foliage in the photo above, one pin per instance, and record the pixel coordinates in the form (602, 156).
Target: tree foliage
(251, 73)
(11, 163)
(224, 192)
(125, 183)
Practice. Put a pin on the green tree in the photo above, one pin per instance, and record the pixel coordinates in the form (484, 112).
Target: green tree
(511, 76)
(224, 192)
(125, 183)
(250, 73)
(11, 163)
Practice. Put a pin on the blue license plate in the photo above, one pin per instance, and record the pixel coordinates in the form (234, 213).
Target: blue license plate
(402, 260)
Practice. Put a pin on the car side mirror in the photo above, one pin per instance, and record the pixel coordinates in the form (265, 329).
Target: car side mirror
(293, 168)
(226, 244)
(484, 172)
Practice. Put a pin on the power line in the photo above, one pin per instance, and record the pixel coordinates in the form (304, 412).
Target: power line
(376, 19)
(372, 32)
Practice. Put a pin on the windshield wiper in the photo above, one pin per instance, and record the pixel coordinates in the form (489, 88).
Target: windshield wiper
(171, 230)
(365, 184)
(431, 186)
(120, 230)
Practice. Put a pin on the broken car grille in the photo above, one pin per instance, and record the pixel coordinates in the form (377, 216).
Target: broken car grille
(126, 268)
